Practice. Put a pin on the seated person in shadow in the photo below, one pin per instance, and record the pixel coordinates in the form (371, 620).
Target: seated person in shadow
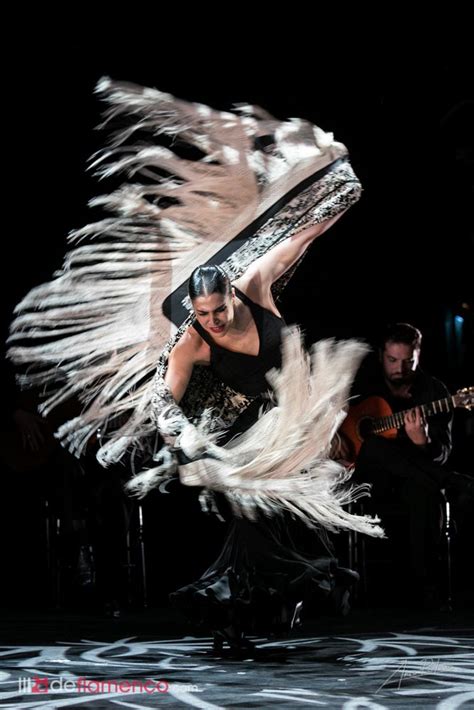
(64, 522)
(409, 469)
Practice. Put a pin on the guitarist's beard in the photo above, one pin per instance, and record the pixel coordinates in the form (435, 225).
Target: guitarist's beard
(400, 381)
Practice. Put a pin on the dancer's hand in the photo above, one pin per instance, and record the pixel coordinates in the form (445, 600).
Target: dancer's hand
(171, 421)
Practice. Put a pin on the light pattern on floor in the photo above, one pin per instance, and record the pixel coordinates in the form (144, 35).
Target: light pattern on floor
(429, 669)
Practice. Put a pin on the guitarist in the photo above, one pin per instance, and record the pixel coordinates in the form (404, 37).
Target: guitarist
(409, 468)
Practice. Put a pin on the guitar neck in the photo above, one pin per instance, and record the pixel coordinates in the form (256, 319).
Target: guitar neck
(397, 419)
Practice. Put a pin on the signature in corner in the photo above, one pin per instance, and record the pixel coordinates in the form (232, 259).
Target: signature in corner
(414, 668)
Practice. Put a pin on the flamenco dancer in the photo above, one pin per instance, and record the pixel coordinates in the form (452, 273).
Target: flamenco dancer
(164, 323)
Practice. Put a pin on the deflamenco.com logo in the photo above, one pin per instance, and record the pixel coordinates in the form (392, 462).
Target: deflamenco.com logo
(38, 684)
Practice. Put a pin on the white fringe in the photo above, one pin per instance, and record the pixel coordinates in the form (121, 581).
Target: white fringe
(153, 477)
(97, 331)
(281, 463)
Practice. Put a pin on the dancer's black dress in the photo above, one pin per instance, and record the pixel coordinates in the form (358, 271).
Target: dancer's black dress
(262, 572)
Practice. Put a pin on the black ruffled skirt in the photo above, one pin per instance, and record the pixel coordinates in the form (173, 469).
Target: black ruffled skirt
(259, 580)
(266, 568)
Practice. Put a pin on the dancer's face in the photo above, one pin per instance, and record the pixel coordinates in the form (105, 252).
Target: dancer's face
(215, 312)
(399, 362)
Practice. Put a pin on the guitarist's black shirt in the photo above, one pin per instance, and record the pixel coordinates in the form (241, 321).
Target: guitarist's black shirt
(369, 382)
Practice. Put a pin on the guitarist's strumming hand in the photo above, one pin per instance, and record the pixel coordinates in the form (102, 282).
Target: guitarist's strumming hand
(415, 427)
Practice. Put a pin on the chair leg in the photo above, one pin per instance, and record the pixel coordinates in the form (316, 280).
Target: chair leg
(357, 556)
(447, 539)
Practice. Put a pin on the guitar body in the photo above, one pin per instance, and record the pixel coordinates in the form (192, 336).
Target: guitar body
(356, 426)
(374, 415)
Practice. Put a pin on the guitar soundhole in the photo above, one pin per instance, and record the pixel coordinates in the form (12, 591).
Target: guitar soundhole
(365, 427)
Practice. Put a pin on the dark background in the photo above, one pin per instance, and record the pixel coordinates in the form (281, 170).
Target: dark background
(404, 252)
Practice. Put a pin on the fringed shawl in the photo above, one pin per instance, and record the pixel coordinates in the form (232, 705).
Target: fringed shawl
(201, 186)
(99, 329)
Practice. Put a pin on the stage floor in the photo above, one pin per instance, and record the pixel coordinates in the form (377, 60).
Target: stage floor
(371, 659)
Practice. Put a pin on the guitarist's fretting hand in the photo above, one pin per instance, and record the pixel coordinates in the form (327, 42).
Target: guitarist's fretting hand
(415, 427)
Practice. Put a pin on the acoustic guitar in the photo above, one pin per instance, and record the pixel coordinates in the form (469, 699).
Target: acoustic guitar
(375, 416)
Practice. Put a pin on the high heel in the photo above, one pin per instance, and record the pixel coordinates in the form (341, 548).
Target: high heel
(296, 617)
(235, 639)
(217, 642)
